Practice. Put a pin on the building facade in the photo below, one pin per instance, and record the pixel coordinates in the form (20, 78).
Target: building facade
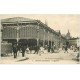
(74, 41)
(30, 32)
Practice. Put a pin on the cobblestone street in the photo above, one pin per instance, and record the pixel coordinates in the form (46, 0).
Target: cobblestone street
(42, 58)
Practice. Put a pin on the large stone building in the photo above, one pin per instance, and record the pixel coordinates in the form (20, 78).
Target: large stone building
(30, 32)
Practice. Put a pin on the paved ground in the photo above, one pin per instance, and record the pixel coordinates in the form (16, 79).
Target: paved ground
(42, 58)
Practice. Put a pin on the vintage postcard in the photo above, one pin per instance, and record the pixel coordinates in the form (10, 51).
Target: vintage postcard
(40, 38)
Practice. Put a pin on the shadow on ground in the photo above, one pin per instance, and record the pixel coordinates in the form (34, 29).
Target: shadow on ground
(22, 59)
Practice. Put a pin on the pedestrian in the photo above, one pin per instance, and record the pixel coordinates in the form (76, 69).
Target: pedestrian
(63, 47)
(77, 57)
(27, 50)
(48, 48)
(23, 51)
(37, 48)
(52, 49)
(15, 50)
(66, 49)
(41, 49)
(30, 48)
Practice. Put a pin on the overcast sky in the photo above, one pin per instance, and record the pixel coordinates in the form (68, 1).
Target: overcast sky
(55, 21)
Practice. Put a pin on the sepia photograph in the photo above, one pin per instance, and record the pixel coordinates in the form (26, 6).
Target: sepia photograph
(40, 38)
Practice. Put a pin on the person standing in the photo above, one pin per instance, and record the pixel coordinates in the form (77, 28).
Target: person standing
(63, 47)
(48, 48)
(52, 49)
(37, 48)
(27, 50)
(66, 49)
(78, 55)
(15, 50)
(23, 51)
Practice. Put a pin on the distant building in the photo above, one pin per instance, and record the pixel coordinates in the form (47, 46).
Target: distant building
(68, 35)
(73, 41)
(70, 40)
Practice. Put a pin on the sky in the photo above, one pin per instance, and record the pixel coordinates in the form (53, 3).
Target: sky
(62, 22)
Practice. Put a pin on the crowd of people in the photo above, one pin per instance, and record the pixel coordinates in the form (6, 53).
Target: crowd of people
(28, 49)
(72, 47)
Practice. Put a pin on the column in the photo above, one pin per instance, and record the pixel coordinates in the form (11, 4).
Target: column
(59, 41)
(48, 37)
(17, 33)
(51, 40)
(38, 35)
(44, 39)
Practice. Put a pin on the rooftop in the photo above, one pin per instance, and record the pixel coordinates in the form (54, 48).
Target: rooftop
(16, 19)
(74, 38)
(22, 19)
